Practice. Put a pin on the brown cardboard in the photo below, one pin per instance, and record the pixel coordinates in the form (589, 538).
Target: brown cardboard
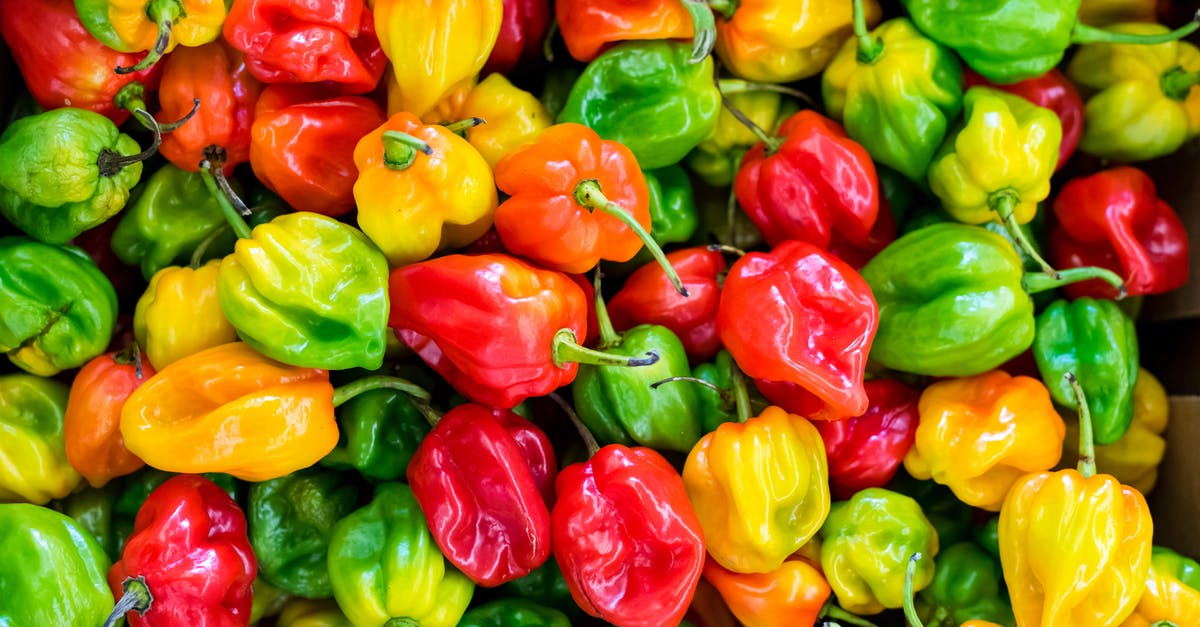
(1175, 501)
(1178, 181)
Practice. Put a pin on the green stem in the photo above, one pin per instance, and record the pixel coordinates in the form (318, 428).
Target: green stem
(739, 86)
(131, 356)
(401, 622)
(431, 415)
(1163, 623)
(1003, 204)
(565, 349)
(727, 249)
(731, 223)
(836, 613)
(869, 48)
(589, 195)
(136, 597)
(1177, 83)
(608, 335)
(210, 167)
(110, 162)
(772, 143)
(548, 42)
(170, 126)
(724, 7)
(1035, 282)
(704, 29)
(741, 395)
(131, 97)
(400, 149)
(1084, 34)
(461, 126)
(1087, 444)
(589, 440)
(726, 397)
(165, 13)
(197, 259)
(378, 382)
(910, 610)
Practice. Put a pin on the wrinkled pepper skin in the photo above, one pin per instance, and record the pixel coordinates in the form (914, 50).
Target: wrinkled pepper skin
(1134, 458)
(1097, 342)
(59, 308)
(867, 542)
(1170, 591)
(589, 27)
(767, 294)
(60, 580)
(378, 433)
(514, 117)
(229, 409)
(180, 314)
(523, 27)
(626, 537)
(290, 520)
(965, 586)
(865, 451)
(35, 467)
(978, 435)
(716, 159)
(793, 594)
(1052, 91)
(760, 489)
(384, 565)
(92, 419)
(514, 613)
(649, 97)
(672, 206)
(190, 545)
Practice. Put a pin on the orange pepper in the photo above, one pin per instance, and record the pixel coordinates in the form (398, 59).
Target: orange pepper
(92, 422)
(793, 594)
(590, 26)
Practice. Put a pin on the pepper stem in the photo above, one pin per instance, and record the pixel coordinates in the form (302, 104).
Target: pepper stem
(1003, 204)
(836, 613)
(136, 597)
(1084, 34)
(725, 7)
(1177, 83)
(1163, 623)
(400, 149)
(461, 126)
(727, 249)
(214, 180)
(401, 622)
(589, 440)
(378, 382)
(431, 415)
(164, 12)
(131, 97)
(704, 27)
(170, 126)
(741, 394)
(548, 41)
(1087, 444)
(869, 48)
(608, 335)
(565, 349)
(1035, 282)
(726, 397)
(110, 162)
(197, 259)
(910, 573)
(130, 356)
(739, 86)
(772, 143)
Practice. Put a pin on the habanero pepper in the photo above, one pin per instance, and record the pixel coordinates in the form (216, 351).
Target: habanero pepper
(1134, 458)
(865, 451)
(523, 28)
(153, 26)
(966, 586)
(512, 118)
(36, 467)
(1171, 591)
(513, 613)
(1052, 91)
(378, 432)
(716, 159)
(180, 314)
(92, 420)
(589, 26)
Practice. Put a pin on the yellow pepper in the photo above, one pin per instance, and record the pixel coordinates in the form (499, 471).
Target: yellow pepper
(1134, 458)
(760, 489)
(312, 613)
(420, 188)
(179, 314)
(156, 26)
(447, 110)
(978, 435)
(434, 45)
(717, 158)
(513, 117)
(779, 42)
(1105, 12)
(1169, 594)
(33, 455)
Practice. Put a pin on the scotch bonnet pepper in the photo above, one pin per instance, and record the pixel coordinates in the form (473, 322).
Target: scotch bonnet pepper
(92, 420)
(1052, 91)
(1134, 458)
(966, 586)
(1171, 592)
(512, 117)
(793, 594)
(523, 27)
(378, 432)
(588, 27)
(154, 26)
(180, 314)
(34, 466)
(865, 451)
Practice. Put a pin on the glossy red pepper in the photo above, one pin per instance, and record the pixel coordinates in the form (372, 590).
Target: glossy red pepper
(523, 28)
(1114, 219)
(588, 27)
(649, 298)
(92, 421)
(188, 562)
(1053, 91)
(865, 451)
(293, 41)
(476, 476)
(798, 315)
(626, 538)
(811, 183)
(882, 234)
(62, 64)
(302, 145)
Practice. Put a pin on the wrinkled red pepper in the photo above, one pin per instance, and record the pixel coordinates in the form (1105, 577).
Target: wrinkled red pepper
(865, 451)
(882, 234)
(1053, 91)
(523, 27)
(1114, 219)
(482, 477)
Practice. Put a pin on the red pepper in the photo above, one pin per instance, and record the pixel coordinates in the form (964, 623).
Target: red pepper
(882, 234)
(62, 64)
(1053, 91)
(590, 26)
(811, 184)
(523, 28)
(295, 41)
(1115, 220)
(800, 315)
(92, 421)
(302, 145)
(649, 298)
(188, 562)
(626, 538)
(476, 476)
(865, 451)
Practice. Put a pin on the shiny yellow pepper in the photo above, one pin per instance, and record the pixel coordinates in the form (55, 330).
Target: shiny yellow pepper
(1168, 597)
(312, 613)
(179, 314)
(978, 435)
(33, 455)
(513, 117)
(156, 26)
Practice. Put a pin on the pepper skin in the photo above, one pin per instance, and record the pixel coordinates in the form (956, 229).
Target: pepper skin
(760, 489)
(378, 433)
(811, 185)
(180, 315)
(1170, 591)
(189, 545)
(626, 537)
(92, 420)
(865, 451)
(716, 159)
(513, 116)
(309, 613)
(384, 566)
(154, 26)
(793, 594)
(523, 27)
(1134, 458)
(35, 468)
(589, 27)
(767, 295)
(229, 409)
(1052, 91)
(1114, 219)
(966, 586)
(514, 613)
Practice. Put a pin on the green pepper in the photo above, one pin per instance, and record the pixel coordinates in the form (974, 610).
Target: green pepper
(378, 433)
(92, 509)
(557, 87)
(1097, 343)
(987, 536)
(54, 572)
(384, 565)
(290, 520)
(65, 171)
(546, 586)
(266, 600)
(648, 96)
(1185, 569)
(948, 515)
(33, 453)
(58, 308)
(513, 613)
(965, 586)
(866, 546)
(673, 216)
(715, 408)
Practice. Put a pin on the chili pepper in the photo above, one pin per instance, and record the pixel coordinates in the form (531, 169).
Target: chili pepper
(761, 40)
(557, 85)
(951, 518)
(1134, 458)
(180, 315)
(302, 145)
(589, 27)
(965, 586)
(896, 91)
(778, 287)
(672, 207)
(796, 593)
(474, 478)
(92, 419)
(954, 300)
(866, 542)
(513, 116)
(420, 188)
(384, 565)
(546, 586)
(716, 159)
(133, 490)
(717, 405)
(60, 578)
(269, 601)
(1051, 91)
(188, 561)
(865, 451)
(1114, 219)
(153, 26)
(290, 520)
(649, 97)
(312, 613)
(1170, 594)
(1096, 341)
(514, 612)
(92, 510)
(36, 467)
(523, 28)
(1013, 41)
(59, 308)
(1106, 12)
(294, 42)
(1142, 101)
(378, 433)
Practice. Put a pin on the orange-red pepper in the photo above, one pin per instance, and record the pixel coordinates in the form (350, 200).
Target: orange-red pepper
(92, 422)
(590, 26)
(793, 594)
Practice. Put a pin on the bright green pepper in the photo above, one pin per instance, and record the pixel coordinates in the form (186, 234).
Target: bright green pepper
(1186, 570)
(290, 520)
(59, 309)
(92, 509)
(672, 207)
(716, 408)
(716, 159)
(513, 613)
(948, 515)
(1095, 341)
(54, 571)
(384, 565)
(866, 545)
(65, 171)
(965, 586)
(378, 433)
(648, 96)
(546, 586)
(33, 453)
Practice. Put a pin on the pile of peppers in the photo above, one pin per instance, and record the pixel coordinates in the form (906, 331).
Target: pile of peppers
(572, 312)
